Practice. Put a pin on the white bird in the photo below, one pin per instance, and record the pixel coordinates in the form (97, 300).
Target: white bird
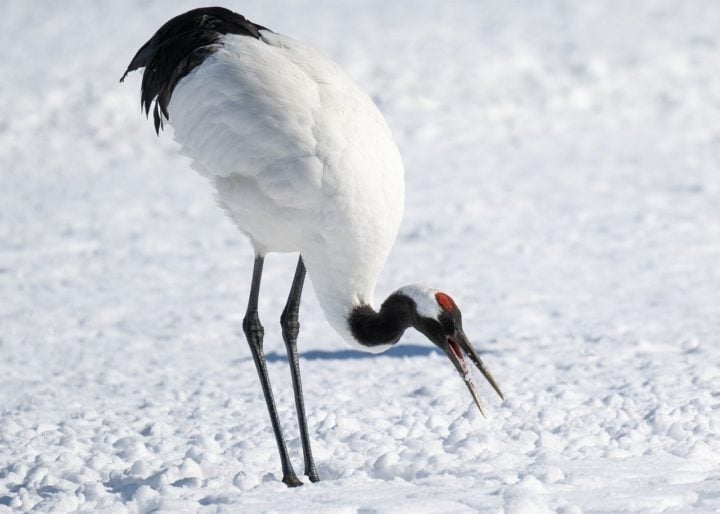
(302, 161)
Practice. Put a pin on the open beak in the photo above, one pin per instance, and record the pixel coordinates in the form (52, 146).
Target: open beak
(457, 348)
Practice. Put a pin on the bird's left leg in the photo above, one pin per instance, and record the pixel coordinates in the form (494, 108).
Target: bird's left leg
(290, 329)
(254, 332)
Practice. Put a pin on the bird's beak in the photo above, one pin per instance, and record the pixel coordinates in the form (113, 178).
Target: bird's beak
(457, 347)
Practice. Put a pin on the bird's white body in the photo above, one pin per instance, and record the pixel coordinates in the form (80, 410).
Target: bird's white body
(302, 160)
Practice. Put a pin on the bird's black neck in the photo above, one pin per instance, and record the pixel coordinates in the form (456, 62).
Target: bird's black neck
(384, 327)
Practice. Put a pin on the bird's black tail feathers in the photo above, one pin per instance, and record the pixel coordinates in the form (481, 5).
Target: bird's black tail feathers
(178, 47)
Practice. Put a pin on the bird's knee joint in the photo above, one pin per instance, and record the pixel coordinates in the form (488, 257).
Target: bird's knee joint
(290, 325)
(289, 318)
(253, 329)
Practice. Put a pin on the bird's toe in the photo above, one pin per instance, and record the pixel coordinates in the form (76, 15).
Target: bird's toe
(291, 480)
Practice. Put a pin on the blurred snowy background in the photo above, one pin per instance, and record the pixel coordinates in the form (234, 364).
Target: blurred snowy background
(563, 184)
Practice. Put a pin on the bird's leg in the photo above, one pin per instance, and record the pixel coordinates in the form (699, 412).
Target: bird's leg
(290, 329)
(254, 332)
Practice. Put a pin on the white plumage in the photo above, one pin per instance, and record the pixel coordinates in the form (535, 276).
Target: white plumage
(302, 161)
(301, 158)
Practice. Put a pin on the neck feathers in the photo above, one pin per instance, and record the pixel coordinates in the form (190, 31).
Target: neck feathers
(382, 328)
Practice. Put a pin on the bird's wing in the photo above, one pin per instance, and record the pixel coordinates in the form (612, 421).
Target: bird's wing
(249, 113)
(179, 46)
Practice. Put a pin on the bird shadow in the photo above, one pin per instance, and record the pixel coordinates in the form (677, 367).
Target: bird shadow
(406, 350)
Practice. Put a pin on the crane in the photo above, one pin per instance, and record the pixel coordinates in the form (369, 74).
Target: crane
(302, 161)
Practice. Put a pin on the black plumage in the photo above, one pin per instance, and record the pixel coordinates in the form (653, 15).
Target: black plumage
(178, 47)
(386, 326)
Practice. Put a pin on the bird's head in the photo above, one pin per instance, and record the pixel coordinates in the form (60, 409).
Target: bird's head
(436, 315)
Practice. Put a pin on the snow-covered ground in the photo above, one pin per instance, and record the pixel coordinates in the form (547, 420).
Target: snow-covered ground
(563, 176)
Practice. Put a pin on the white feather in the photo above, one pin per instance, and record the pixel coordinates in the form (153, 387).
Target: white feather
(424, 298)
(301, 158)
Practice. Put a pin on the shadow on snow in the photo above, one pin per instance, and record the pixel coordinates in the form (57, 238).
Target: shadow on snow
(406, 350)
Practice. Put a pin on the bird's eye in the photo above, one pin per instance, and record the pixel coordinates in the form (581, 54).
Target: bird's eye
(447, 324)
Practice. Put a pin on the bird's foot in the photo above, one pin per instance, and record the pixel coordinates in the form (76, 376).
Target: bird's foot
(290, 480)
(313, 475)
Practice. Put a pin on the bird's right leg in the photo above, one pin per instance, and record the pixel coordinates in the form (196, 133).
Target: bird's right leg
(290, 329)
(254, 332)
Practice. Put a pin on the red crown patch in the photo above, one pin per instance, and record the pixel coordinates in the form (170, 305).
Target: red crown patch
(445, 302)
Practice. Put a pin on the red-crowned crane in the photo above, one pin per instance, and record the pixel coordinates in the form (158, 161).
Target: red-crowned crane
(302, 161)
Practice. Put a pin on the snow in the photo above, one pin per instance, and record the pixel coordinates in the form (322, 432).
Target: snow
(563, 186)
